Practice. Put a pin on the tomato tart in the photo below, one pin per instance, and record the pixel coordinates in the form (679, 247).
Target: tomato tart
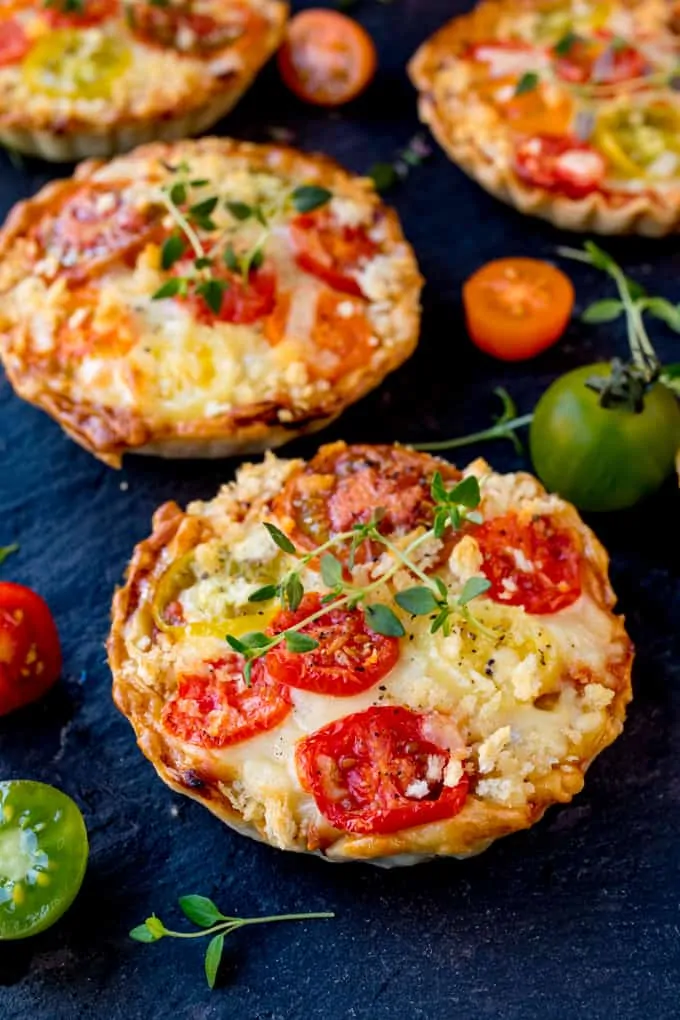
(93, 77)
(567, 110)
(372, 655)
(203, 298)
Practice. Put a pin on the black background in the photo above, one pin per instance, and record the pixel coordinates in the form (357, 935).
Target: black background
(577, 918)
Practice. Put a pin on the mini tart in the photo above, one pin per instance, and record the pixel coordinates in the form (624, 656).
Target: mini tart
(329, 308)
(103, 76)
(590, 141)
(522, 700)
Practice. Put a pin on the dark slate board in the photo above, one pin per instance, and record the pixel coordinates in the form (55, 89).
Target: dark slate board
(579, 917)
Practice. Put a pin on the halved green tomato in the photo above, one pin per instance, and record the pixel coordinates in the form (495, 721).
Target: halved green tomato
(641, 141)
(76, 64)
(43, 856)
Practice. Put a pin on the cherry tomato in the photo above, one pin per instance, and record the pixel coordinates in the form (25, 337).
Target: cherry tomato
(216, 708)
(349, 658)
(603, 458)
(68, 64)
(14, 43)
(562, 164)
(179, 26)
(382, 770)
(640, 140)
(344, 485)
(326, 58)
(43, 856)
(94, 228)
(341, 342)
(333, 253)
(597, 60)
(530, 562)
(30, 655)
(61, 14)
(243, 301)
(516, 307)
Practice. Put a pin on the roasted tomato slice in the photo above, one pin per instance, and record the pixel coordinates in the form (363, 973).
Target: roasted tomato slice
(333, 253)
(344, 485)
(14, 43)
(96, 227)
(180, 25)
(80, 335)
(530, 562)
(515, 308)
(561, 164)
(66, 14)
(341, 334)
(600, 60)
(242, 302)
(30, 655)
(349, 657)
(216, 708)
(384, 769)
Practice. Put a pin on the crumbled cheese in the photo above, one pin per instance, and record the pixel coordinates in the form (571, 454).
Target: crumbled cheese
(417, 789)
(491, 748)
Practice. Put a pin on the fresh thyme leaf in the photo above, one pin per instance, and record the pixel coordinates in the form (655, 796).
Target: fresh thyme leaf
(606, 310)
(331, 570)
(441, 519)
(7, 550)
(309, 197)
(296, 642)
(178, 193)
(237, 645)
(564, 46)
(169, 289)
(664, 310)
(268, 591)
(203, 263)
(142, 934)
(383, 620)
(255, 640)
(204, 208)
(527, 83)
(418, 601)
(441, 621)
(472, 588)
(293, 591)
(239, 210)
(256, 259)
(443, 590)
(212, 292)
(466, 493)
(599, 258)
(280, 539)
(213, 958)
(173, 249)
(248, 673)
(199, 183)
(230, 259)
(383, 175)
(200, 910)
(437, 488)
(258, 213)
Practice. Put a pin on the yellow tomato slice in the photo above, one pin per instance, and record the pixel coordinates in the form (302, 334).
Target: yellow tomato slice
(635, 139)
(75, 64)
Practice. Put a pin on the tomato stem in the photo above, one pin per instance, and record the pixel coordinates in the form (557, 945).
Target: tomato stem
(503, 430)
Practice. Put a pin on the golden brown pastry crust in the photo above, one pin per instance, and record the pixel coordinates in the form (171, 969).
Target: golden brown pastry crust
(109, 432)
(174, 534)
(62, 135)
(649, 212)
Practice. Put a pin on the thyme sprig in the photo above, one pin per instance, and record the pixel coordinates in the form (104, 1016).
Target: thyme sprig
(211, 922)
(7, 550)
(453, 508)
(505, 427)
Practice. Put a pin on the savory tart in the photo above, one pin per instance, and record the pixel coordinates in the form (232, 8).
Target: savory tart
(203, 298)
(566, 109)
(372, 655)
(93, 77)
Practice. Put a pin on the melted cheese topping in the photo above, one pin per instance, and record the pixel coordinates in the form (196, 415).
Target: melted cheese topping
(511, 685)
(156, 357)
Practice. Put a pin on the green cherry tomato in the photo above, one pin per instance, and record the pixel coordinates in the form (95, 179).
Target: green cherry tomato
(601, 458)
(43, 856)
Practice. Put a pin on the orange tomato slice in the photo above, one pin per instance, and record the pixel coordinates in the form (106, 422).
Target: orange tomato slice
(326, 58)
(517, 307)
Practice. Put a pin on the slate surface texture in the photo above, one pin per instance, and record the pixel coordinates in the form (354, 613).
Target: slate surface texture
(577, 918)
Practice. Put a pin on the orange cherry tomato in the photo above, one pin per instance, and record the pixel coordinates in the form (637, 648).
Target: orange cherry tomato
(14, 43)
(30, 655)
(326, 58)
(516, 308)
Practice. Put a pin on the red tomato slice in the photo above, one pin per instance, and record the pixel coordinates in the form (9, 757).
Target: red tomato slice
(530, 563)
(30, 655)
(217, 708)
(598, 61)
(382, 770)
(243, 301)
(560, 164)
(177, 25)
(331, 252)
(87, 13)
(349, 659)
(14, 43)
(344, 485)
(96, 227)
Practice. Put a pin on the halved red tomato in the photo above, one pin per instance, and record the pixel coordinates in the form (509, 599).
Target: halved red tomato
(180, 26)
(349, 658)
(30, 655)
(560, 163)
(66, 14)
(14, 43)
(333, 253)
(384, 769)
(216, 708)
(601, 61)
(96, 227)
(530, 562)
(344, 485)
